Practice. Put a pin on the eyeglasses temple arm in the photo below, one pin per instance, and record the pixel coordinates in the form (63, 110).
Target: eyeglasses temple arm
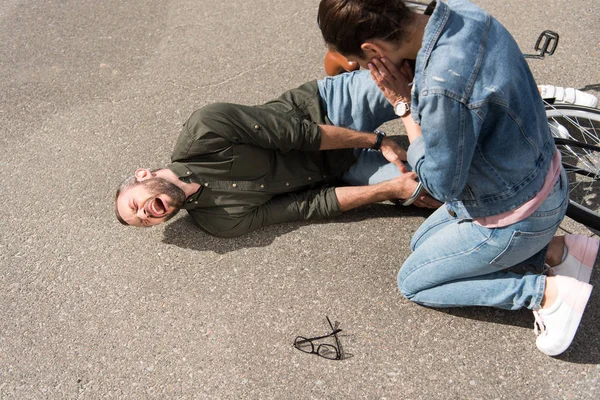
(320, 337)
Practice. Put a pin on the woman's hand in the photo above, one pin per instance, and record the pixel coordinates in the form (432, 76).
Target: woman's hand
(391, 80)
(394, 84)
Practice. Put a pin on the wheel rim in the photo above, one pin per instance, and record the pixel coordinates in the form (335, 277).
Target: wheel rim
(582, 125)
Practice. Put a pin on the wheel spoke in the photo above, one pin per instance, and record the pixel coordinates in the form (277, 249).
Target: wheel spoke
(577, 130)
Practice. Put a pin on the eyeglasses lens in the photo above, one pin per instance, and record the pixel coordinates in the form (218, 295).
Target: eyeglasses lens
(303, 344)
(328, 351)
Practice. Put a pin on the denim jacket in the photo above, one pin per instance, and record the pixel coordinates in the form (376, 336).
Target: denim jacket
(486, 146)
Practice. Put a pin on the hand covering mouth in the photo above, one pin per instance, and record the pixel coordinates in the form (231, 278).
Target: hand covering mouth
(156, 208)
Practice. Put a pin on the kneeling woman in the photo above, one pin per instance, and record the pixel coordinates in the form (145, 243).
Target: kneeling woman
(480, 142)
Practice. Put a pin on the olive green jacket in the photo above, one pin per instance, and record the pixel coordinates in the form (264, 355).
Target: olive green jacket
(259, 165)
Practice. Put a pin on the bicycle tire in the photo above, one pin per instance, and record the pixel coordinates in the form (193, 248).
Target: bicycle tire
(577, 135)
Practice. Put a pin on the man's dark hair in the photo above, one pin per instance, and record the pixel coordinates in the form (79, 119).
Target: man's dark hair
(129, 182)
(347, 24)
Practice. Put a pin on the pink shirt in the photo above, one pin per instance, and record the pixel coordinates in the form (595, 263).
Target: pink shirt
(525, 210)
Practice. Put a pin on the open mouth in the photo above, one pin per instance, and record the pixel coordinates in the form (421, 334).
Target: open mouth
(156, 208)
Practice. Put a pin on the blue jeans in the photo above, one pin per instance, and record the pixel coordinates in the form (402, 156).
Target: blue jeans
(459, 263)
(352, 100)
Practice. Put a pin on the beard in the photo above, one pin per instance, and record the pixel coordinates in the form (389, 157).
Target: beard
(158, 186)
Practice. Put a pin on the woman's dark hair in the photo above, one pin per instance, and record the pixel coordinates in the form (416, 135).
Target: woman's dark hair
(347, 24)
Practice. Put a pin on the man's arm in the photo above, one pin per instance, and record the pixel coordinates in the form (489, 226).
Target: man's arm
(324, 202)
(402, 187)
(335, 137)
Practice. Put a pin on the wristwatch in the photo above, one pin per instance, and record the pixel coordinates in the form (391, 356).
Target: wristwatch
(402, 108)
(380, 136)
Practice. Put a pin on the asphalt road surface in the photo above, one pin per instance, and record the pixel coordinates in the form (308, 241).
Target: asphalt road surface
(91, 90)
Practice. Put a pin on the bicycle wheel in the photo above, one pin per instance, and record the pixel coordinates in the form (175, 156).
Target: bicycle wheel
(577, 135)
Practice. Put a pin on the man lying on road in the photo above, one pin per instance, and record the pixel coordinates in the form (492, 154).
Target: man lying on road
(311, 153)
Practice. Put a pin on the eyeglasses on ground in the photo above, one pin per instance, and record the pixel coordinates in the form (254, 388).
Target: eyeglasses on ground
(325, 350)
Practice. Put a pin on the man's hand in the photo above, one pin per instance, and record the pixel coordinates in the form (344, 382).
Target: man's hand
(394, 153)
(404, 186)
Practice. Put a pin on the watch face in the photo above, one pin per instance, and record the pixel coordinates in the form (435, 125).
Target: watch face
(401, 109)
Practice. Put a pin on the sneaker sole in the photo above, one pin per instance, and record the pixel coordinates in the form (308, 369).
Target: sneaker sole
(572, 324)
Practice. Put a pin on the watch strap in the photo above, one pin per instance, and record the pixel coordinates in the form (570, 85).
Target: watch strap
(380, 136)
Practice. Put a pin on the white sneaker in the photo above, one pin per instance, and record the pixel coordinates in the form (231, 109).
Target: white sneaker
(568, 95)
(580, 259)
(557, 325)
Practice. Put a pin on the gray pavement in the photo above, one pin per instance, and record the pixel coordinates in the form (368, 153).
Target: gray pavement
(90, 90)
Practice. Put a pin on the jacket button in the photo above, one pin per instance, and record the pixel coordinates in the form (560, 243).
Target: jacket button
(262, 186)
(287, 184)
(256, 126)
(234, 185)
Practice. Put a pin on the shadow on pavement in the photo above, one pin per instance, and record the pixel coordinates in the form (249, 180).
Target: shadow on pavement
(521, 318)
(585, 348)
(591, 87)
(186, 234)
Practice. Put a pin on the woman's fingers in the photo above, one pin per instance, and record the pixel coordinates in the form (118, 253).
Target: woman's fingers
(390, 78)
(381, 72)
(403, 72)
(375, 73)
(391, 68)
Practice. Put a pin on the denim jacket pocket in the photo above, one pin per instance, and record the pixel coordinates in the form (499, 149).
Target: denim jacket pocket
(523, 245)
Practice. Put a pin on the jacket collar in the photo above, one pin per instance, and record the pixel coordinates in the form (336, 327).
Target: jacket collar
(186, 175)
